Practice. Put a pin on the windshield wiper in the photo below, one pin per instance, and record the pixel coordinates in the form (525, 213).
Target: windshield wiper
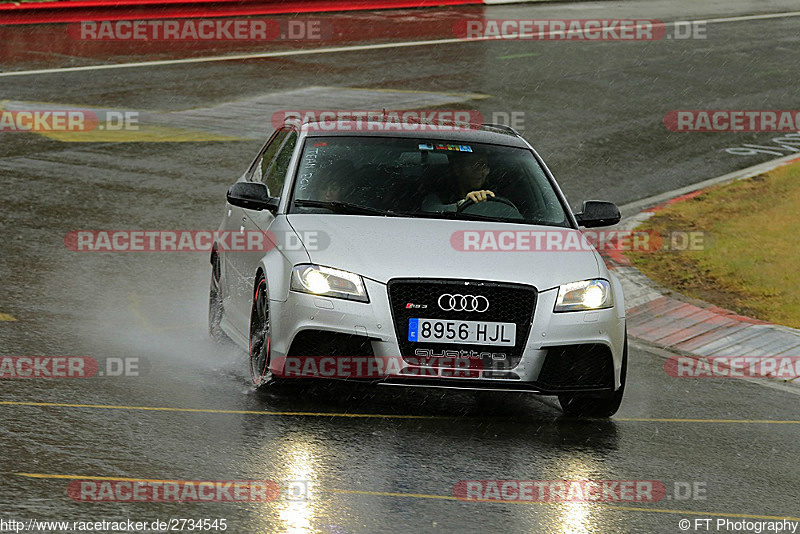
(468, 216)
(347, 208)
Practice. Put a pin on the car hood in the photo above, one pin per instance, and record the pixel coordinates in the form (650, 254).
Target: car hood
(382, 248)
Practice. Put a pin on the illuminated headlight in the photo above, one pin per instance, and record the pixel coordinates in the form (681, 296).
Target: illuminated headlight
(584, 295)
(328, 282)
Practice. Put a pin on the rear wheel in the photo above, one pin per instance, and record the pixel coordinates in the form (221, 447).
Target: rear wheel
(260, 336)
(597, 405)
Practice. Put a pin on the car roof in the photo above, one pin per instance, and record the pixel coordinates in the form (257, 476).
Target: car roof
(456, 132)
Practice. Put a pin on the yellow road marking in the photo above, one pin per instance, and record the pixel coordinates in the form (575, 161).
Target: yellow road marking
(429, 496)
(146, 133)
(362, 415)
(745, 421)
(207, 410)
(125, 479)
(392, 494)
(7, 317)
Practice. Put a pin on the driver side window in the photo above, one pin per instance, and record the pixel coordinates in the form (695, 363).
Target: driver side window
(274, 161)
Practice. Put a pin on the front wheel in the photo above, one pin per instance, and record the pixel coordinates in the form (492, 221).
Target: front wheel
(260, 336)
(597, 405)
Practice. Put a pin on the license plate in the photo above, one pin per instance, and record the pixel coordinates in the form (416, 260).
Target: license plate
(462, 332)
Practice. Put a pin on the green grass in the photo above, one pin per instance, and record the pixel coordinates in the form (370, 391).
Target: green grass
(752, 265)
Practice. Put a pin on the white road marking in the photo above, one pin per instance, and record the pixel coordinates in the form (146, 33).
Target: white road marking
(339, 49)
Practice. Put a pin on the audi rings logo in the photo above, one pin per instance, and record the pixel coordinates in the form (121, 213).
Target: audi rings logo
(467, 303)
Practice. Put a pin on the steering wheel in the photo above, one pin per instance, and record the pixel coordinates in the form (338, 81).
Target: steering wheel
(469, 202)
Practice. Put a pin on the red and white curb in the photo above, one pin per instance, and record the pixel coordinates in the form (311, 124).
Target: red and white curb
(659, 317)
(50, 12)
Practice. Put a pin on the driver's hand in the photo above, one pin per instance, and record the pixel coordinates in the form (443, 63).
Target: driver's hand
(479, 196)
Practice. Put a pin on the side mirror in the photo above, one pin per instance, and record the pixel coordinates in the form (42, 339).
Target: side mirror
(595, 213)
(252, 196)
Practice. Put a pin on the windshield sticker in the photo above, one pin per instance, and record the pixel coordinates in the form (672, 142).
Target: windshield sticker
(426, 146)
(456, 148)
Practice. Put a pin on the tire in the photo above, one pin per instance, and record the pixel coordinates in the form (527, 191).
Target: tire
(595, 405)
(215, 309)
(259, 346)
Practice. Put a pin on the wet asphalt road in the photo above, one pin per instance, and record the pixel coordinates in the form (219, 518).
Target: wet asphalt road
(594, 111)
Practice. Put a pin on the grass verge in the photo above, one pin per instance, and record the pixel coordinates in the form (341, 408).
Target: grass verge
(750, 261)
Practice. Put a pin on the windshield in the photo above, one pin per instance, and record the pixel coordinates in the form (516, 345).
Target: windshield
(424, 178)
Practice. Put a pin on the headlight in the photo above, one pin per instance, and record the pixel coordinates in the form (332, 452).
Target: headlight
(584, 295)
(328, 282)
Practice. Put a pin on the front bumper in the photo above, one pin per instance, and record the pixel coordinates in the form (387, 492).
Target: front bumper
(563, 352)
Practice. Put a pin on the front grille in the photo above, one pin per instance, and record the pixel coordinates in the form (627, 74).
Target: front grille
(577, 366)
(509, 303)
(309, 343)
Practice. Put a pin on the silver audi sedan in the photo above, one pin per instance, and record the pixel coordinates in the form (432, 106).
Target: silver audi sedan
(420, 256)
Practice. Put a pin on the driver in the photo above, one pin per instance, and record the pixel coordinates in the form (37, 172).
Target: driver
(335, 181)
(468, 172)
